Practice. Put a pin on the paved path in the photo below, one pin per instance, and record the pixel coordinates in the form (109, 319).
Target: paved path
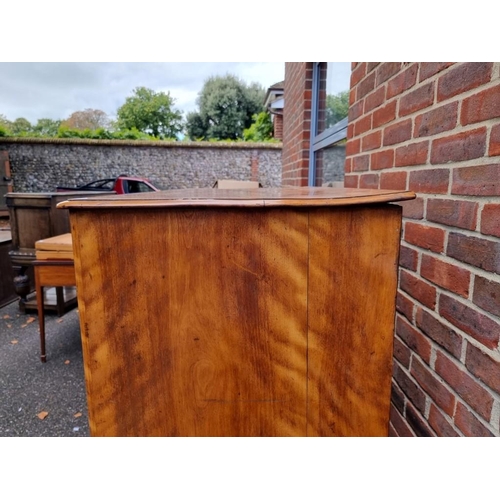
(29, 387)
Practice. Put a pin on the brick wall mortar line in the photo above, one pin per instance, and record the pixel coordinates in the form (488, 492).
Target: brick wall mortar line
(472, 285)
(450, 178)
(495, 74)
(463, 353)
(445, 245)
(433, 356)
(425, 199)
(479, 219)
(495, 415)
(428, 402)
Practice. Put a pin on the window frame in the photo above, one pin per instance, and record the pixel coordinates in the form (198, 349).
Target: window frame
(328, 137)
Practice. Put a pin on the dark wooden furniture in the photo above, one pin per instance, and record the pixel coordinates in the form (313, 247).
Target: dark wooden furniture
(7, 292)
(54, 267)
(33, 216)
(258, 312)
(5, 181)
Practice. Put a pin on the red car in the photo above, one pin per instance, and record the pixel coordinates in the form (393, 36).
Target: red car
(121, 185)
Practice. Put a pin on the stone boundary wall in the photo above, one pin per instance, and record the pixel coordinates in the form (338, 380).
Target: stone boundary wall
(40, 165)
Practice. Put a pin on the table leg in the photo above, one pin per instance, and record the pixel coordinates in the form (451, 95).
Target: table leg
(60, 300)
(41, 315)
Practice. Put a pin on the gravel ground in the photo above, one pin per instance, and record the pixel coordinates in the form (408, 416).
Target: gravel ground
(41, 399)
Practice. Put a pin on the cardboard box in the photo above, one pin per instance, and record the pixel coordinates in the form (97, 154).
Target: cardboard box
(232, 184)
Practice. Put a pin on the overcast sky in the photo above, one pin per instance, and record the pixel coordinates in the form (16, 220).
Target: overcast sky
(55, 90)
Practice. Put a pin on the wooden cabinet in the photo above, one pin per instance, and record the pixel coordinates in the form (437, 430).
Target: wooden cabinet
(7, 292)
(5, 181)
(212, 312)
(33, 217)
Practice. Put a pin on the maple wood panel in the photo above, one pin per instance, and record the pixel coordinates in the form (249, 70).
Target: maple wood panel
(202, 328)
(232, 313)
(353, 281)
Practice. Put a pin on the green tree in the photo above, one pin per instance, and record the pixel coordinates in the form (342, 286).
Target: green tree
(261, 129)
(4, 122)
(226, 106)
(337, 107)
(195, 126)
(46, 127)
(150, 112)
(20, 126)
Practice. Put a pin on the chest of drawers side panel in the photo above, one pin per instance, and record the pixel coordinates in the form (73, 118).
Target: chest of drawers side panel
(353, 263)
(194, 321)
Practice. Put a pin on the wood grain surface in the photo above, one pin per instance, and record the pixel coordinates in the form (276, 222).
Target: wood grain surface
(223, 318)
(262, 197)
(352, 292)
(194, 323)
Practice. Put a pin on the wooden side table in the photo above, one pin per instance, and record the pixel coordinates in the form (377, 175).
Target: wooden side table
(50, 273)
(54, 267)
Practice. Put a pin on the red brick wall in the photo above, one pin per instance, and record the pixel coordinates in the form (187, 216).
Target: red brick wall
(278, 126)
(296, 123)
(434, 128)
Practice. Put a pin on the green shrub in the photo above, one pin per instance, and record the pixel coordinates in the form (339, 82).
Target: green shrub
(261, 129)
(68, 133)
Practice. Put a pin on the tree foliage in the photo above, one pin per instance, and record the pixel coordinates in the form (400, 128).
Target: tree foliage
(261, 129)
(226, 106)
(4, 122)
(4, 126)
(150, 112)
(20, 126)
(337, 107)
(101, 133)
(46, 127)
(91, 119)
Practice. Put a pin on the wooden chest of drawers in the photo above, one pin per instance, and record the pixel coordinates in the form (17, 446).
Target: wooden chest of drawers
(214, 312)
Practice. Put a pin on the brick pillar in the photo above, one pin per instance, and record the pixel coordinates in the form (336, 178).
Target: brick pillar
(297, 123)
(254, 167)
